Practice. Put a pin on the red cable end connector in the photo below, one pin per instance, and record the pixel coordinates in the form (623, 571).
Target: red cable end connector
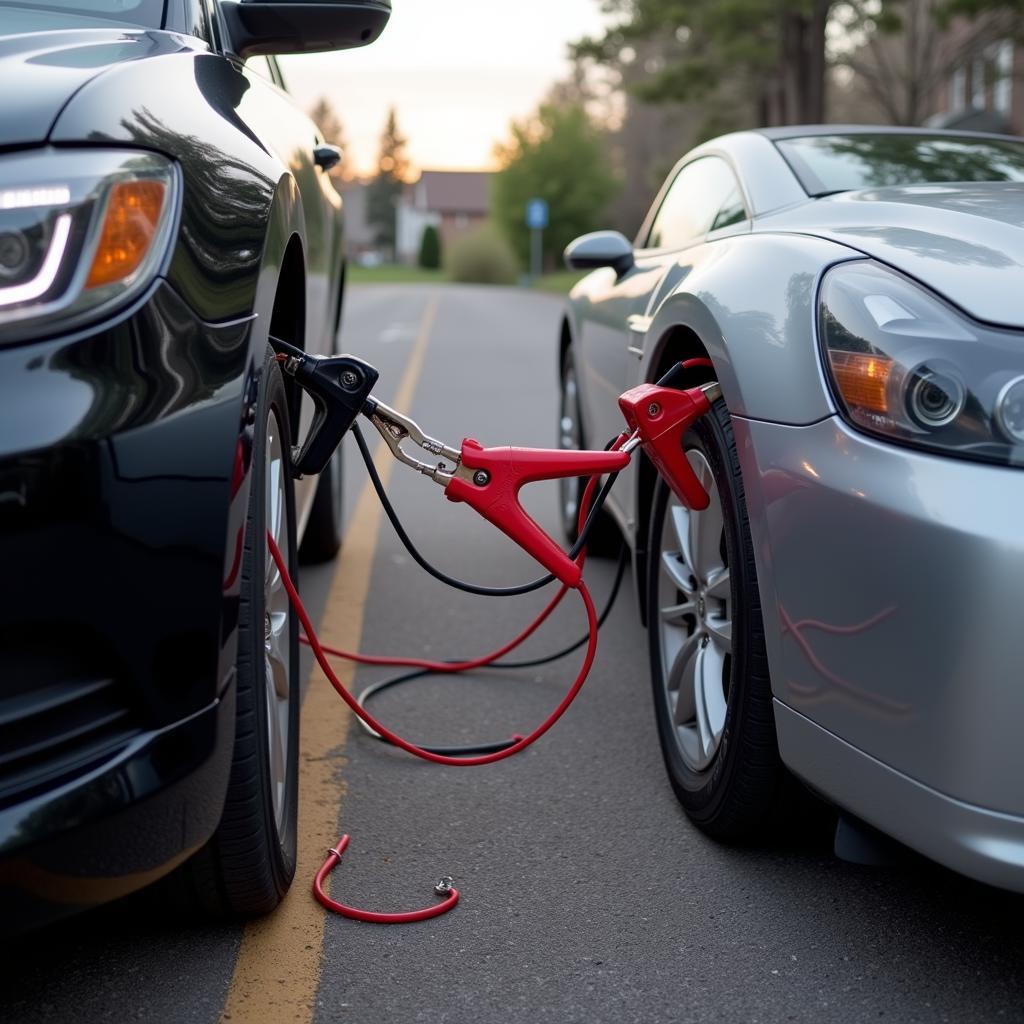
(443, 888)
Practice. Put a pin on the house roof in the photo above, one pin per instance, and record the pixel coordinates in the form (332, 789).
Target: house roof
(453, 192)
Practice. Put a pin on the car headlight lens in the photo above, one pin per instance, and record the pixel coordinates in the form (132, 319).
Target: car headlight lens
(909, 367)
(81, 231)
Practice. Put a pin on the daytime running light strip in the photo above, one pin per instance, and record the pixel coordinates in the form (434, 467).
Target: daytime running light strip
(41, 283)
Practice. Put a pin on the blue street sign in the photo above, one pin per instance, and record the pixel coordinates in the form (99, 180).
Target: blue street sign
(537, 214)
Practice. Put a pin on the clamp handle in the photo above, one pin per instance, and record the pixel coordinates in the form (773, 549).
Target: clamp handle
(498, 474)
(661, 416)
(339, 387)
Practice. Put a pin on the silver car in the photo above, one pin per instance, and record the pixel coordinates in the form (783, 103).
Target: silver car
(849, 610)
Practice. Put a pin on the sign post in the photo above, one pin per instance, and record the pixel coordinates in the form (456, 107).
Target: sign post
(536, 221)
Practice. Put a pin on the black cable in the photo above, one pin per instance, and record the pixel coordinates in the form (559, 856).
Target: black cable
(487, 748)
(473, 588)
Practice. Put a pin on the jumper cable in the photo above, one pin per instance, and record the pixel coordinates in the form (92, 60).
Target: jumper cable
(489, 480)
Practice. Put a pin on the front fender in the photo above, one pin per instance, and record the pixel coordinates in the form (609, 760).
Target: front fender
(750, 300)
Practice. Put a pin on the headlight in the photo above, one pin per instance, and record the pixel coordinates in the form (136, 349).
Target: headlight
(907, 366)
(81, 231)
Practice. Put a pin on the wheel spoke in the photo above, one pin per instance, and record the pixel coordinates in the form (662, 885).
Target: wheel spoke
(678, 572)
(682, 525)
(278, 771)
(719, 628)
(709, 697)
(706, 529)
(685, 708)
(681, 663)
(719, 586)
(676, 613)
(277, 644)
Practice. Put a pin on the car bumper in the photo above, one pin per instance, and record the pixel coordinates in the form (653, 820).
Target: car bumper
(122, 501)
(121, 825)
(892, 582)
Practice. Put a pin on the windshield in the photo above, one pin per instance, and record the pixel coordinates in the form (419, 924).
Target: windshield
(54, 14)
(840, 163)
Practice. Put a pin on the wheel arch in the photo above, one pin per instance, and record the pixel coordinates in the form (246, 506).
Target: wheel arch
(748, 305)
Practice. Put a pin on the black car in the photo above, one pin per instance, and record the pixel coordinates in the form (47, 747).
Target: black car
(165, 218)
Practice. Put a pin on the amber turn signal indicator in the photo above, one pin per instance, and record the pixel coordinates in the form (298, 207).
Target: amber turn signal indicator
(862, 379)
(129, 226)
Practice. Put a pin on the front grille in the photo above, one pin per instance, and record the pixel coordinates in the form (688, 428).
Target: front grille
(56, 722)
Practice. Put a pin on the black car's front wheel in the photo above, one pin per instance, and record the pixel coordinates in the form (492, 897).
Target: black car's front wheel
(709, 666)
(248, 865)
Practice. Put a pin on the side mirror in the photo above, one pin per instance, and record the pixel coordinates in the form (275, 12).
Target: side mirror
(600, 249)
(302, 26)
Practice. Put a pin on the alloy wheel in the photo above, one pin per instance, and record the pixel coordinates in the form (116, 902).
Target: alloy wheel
(695, 621)
(277, 620)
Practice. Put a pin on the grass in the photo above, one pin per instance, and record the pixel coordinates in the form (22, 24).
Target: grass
(392, 274)
(557, 283)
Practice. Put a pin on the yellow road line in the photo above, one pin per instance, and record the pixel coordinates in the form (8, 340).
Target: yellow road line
(278, 967)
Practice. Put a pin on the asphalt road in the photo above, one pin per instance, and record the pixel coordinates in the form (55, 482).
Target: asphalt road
(586, 894)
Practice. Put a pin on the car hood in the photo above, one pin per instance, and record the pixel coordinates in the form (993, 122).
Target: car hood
(964, 241)
(41, 71)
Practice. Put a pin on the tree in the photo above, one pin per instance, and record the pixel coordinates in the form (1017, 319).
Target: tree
(896, 63)
(386, 187)
(760, 61)
(430, 248)
(558, 155)
(324, 117)
(901, 61)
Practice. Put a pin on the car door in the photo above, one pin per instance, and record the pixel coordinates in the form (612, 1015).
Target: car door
(293, 137)
(703, 200)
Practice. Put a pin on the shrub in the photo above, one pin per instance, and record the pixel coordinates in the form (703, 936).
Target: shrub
(430, 248)
(483, 257)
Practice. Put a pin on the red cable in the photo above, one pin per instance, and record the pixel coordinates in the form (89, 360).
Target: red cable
(453, 668)
(450, 893)
(394, 738)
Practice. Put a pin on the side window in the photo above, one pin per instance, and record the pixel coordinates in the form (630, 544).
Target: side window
(705, 196)
(262, 67)
(201, 20)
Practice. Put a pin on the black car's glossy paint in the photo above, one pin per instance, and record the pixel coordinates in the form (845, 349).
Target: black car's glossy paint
(125, 452)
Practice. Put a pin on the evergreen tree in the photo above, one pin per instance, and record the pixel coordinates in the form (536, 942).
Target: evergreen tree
(386, 187)
(324, 117)
(430, 248)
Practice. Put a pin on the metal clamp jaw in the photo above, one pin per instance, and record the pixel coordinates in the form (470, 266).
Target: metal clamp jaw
(396, 428)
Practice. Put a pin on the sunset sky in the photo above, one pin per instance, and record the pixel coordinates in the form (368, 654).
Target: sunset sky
(457, 71)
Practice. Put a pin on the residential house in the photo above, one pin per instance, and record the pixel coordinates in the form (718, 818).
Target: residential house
(983, 88)
(454, 202)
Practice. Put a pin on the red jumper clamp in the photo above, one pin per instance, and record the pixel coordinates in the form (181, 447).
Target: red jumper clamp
(659, 417)
(489, 480)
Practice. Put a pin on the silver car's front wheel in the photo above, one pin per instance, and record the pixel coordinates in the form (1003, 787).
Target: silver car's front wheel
(694, 620)
(709, 666)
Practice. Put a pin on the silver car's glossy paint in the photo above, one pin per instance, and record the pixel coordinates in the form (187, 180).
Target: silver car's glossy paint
(892, 581)
(895, 614)
(964, 241)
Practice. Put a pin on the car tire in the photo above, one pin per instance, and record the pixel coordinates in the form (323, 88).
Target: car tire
(322, 540)
(604, 539)
(709, 665)
(247, 866)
